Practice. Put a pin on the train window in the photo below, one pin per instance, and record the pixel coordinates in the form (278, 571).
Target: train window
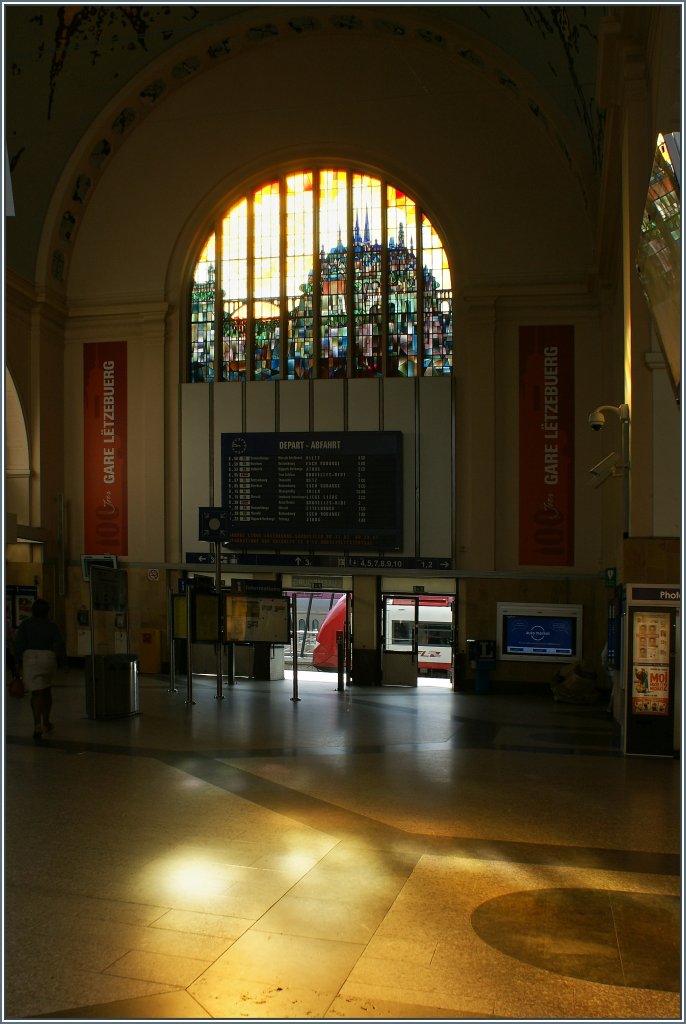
(401, 632)
(435, 633)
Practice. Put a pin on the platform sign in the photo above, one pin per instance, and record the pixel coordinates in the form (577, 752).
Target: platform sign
(244, 560)
(336, 490)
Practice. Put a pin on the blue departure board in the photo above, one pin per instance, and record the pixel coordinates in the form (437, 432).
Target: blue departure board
(337, 490)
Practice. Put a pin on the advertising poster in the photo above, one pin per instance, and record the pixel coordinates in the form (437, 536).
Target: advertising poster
(18, 603)
(23, 603)
(650, 663)
(546, 445)
(105, 412)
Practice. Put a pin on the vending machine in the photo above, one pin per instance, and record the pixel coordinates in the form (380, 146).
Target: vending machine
(651, 669)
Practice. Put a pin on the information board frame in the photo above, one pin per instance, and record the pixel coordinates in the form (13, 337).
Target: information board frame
(254, 619)
(205, 617)
(542, 621)
(337, 490)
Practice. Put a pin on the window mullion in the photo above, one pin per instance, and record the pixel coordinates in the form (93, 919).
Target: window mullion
(218, 303)
(383, 311)
(283, 303)
(350, 276)
(420, 295)
(316, 274)
(250, 311)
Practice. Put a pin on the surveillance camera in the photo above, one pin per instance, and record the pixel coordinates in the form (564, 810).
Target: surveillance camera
(596, 420)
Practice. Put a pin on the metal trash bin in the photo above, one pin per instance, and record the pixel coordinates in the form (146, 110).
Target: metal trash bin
(112, 686)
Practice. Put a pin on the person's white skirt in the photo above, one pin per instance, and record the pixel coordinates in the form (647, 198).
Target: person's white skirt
(38, 669)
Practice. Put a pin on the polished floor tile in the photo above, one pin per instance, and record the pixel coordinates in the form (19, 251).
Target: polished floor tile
(390, 853)
(616, 938)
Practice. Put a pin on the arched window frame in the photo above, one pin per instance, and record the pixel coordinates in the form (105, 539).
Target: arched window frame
(367, 323)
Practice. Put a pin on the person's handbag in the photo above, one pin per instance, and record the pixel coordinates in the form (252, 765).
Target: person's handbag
(15, 687)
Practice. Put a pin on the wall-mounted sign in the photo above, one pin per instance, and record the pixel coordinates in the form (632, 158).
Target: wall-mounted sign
(105, 429)
(546, 445)
(244, 560)
(257, 588)
(312, 491)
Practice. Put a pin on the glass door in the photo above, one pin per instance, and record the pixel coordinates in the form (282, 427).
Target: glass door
(419, 628)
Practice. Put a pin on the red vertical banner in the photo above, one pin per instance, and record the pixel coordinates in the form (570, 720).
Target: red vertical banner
(105, 493)
(546, 445)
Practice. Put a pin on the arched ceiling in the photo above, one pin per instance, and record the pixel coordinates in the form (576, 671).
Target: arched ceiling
(65, 64)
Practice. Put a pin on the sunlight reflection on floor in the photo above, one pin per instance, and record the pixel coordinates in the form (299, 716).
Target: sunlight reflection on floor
(315, 675)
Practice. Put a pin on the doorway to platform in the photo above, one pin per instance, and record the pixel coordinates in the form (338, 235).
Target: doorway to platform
(418, 639)
(318, 614)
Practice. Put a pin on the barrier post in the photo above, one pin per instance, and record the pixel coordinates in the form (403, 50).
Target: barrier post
(294, 638)
(220, 631)
(172, 643)
(190, 595)
(340, 649)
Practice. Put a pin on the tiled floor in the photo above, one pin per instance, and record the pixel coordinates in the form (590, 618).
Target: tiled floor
(376, 853)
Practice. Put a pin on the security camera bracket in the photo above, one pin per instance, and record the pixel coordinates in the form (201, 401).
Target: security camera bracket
(607, 467)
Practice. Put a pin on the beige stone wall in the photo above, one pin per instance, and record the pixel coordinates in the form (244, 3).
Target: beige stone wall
(531, 238)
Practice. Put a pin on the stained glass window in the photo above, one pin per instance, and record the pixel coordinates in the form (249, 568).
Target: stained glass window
(367, 260)
(333, 273)
(402, 285)
(658, 259)
(299, 275)
(202, 314)
(438, 305)
(234, 289)
(318, 277)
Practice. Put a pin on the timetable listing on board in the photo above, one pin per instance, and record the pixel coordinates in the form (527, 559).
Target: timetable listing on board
(334, 490)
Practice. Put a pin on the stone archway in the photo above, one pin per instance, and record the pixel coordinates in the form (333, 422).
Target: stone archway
(17, 459)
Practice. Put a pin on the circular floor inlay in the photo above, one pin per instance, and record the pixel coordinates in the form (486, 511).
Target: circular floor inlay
(615, 938)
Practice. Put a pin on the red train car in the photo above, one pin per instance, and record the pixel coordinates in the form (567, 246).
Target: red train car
(325, 653)
(434, 637)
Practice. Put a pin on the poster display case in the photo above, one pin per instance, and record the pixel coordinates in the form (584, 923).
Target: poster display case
(651, 669)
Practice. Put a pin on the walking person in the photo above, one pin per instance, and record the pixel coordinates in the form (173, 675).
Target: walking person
(39, 648)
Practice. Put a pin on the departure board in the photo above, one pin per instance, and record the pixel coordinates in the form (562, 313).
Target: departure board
(337, 490)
